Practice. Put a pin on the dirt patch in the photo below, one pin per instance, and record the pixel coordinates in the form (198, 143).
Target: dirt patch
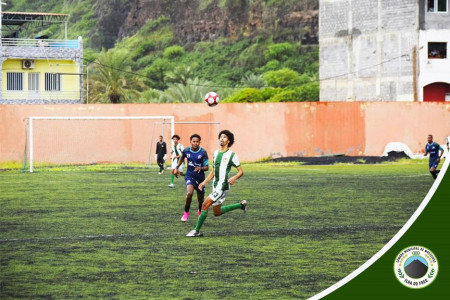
(329, 160)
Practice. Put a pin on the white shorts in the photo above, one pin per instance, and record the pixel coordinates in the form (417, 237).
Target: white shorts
(174, 166)
(218, 196)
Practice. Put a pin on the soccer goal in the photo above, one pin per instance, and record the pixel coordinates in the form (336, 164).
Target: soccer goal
(93, 140)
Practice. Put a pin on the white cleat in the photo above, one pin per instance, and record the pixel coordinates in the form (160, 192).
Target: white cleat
(244, 205)
(194, 233)
(170, 185)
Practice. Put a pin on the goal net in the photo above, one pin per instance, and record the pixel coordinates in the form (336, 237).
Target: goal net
(56, 141)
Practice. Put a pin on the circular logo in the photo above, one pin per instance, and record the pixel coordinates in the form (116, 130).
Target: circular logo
(416, 267)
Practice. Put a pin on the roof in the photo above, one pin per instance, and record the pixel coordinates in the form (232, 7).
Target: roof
(21, 18)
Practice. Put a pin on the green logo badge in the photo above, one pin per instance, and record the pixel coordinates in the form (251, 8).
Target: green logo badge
(416, 267)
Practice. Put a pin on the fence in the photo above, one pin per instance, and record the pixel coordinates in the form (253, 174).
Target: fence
(266, 129)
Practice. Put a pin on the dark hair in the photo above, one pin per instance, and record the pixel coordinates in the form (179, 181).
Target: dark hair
(195, 136)
(176, 136)
(229, 135)
(160, 136)
(430, 135)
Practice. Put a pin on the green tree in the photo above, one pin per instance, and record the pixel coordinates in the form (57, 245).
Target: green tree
(112, 80)
(156, 73)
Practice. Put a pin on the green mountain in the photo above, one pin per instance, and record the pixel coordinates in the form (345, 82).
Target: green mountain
(174, 50)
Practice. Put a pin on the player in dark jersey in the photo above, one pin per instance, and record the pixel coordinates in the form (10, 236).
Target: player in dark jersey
(435, 151)
(161, 153)
(197, 164)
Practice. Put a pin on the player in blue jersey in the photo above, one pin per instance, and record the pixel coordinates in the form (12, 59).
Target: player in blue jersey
(197, 164)
(435, 152)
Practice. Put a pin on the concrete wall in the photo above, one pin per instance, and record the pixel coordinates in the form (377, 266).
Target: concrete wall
(261, 129)
(366, 49)
(434, 20)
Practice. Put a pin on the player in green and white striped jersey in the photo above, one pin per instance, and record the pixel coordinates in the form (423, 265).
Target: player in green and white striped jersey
(224, 159)
(176, 151)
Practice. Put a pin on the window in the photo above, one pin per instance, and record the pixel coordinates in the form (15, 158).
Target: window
(52, 82)
(437, 50)
(33, 82)
(437, 6)
(14, 81)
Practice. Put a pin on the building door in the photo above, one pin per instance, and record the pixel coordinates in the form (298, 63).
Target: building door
(436, 91)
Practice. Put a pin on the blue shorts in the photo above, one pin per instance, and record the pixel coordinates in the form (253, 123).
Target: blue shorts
(195, 183)
(433, 163)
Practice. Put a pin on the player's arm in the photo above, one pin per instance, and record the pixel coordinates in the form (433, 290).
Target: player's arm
(180, 161)
(205, 166)
(207, 179)
(441, 151)
(239, 174)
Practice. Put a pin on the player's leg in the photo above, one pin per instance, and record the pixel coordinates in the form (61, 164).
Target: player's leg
(433, 166)
(219, 197)
(206, 204)
(172, 176)
(187, 206)
(160, 162)
(200, 198)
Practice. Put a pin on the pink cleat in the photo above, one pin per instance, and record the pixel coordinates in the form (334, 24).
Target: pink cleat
(199, 212)
(185, 217)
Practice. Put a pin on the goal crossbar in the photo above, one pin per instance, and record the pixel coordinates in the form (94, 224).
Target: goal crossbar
(31, 119)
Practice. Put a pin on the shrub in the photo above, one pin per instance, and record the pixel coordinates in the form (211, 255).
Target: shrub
(269, 92)
(247, 95)
(173, 52)
(280, 52)
(283, 78)
(143, 49)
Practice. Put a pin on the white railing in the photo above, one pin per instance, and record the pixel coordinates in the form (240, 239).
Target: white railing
(40, 95)
(7, 42)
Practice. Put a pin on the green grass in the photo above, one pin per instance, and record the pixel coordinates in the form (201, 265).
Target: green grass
(117, 233)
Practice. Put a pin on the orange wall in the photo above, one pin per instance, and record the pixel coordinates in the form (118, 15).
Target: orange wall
(261, 129)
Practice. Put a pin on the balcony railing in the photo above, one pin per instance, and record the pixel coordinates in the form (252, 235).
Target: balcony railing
(7, 42)
(40, 95)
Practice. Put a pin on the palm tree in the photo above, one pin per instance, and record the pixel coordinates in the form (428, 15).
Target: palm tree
(253, 81)
(181, 74)
(112, 80)
(194, 91)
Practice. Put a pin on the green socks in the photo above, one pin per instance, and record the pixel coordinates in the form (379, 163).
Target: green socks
(201, 219)
(171, 178)
(223, 209)
(230, 207)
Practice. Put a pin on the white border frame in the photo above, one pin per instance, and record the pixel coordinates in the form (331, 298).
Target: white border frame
(31, 119)
(391, 243)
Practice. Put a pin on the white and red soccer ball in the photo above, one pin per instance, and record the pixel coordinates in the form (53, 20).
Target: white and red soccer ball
(212, 99)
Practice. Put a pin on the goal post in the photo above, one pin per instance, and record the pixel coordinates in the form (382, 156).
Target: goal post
(34, 124)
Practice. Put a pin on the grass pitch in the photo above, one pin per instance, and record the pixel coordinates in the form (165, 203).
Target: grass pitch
(68, 233)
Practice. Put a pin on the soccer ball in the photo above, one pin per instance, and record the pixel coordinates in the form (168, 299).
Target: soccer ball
(212, 99)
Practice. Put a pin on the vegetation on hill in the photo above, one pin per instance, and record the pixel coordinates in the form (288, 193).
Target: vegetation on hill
(161, 59)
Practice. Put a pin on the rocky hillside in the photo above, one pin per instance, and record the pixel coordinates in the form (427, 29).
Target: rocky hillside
(200, 20)
(104, 22)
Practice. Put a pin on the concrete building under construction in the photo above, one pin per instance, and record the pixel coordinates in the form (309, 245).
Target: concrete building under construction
(381, 50)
